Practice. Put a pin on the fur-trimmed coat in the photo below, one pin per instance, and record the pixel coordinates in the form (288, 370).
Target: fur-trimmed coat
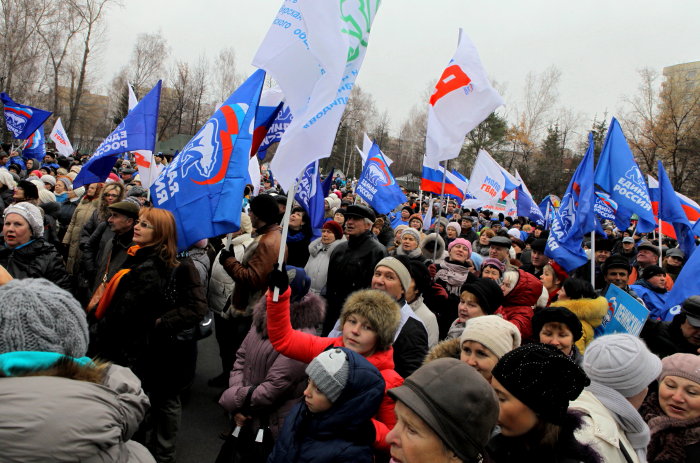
(672, 441)
(517, 305)
(448, 348)
(279, 381)
(590, 312)
(69, 413)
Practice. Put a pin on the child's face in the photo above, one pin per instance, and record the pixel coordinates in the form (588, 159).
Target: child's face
(359, 335)
(316, 400)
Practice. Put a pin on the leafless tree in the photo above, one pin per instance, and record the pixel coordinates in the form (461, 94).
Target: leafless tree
(148, 60)
(225, 76)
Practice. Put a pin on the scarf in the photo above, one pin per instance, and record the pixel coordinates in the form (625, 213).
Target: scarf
(411, 254)
(626, 415)
(454, 275)
(669, 436)
(295, 237)
(112, 286)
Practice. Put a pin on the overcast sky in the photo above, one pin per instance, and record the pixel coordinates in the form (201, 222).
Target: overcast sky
(597, 45)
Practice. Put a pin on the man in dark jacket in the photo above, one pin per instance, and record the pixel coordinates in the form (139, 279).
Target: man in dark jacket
(351, 265)
(105, 252)
(468, 232)
(537, 260)
(682, 334)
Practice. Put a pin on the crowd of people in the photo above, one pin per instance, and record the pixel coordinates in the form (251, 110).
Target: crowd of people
(419, 336)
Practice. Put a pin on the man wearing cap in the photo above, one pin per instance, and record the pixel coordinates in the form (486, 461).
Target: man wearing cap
(682, 334)
(351, 265)
(603, 250)
(468, 232)
(499, 248)
(627, 249)
(106, 249)
(647, 254)
(616, 271)
(673, 262)
(652, 289)
(127, 175)
(537, 260)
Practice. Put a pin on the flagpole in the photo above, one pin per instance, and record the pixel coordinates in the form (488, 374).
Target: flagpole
(661, 235)
(442, 199)
(285, 231)
(593, 259)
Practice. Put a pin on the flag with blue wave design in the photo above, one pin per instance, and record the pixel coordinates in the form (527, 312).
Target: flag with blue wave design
(136, 132)
(22, 120)
(203, 186)
(377, 185)
(310, 195)
(36, 145)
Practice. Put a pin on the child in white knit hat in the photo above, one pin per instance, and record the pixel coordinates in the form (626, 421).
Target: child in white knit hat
(343, 394)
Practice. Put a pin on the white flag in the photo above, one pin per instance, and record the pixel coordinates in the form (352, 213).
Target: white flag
(488, 183)
(60, 138)
(254, 172)
(364, 152)
(314, 50)
(149, 170)
(463, 98)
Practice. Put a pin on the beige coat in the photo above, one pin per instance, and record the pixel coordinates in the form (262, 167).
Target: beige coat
(72, 237)
(601, 431)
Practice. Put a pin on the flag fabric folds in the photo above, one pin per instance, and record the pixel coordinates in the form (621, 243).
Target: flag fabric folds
(314, 50)
(275, 130)
(22, 120)
(377, 185)
(431, 181)
(462, 99)
(266, 114)
(690, 207)
(60, 139)
(149, 170)
(203, 186)
(136, 132)
(567, 255)
(687, 284)
(309, 194)
(671, 211)
(36, 145)
(327, 183)
(488, 182)
(618, 176)
(527, 207)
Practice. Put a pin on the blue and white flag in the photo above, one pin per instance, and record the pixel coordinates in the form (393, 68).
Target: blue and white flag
(36, 145)
(618, 175)
(527, 207)
(377, 185)
(671, 211)
(625, 314)
(314, 50)
(22, 120)
(687, 284)
(203, 186)
(309, 195)
(558, 248)
(276, 130)
(136, 132)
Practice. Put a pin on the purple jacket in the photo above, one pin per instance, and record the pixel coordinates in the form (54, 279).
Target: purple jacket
(280, 380)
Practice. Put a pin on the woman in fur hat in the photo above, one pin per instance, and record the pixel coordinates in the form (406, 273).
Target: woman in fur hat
(369, 320)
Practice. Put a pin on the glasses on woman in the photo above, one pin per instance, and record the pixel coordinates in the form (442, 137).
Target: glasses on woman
(110, 195)
(144, 224)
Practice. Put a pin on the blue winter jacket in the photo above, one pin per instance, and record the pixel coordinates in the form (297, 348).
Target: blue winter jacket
(654, 298)
(344, 433)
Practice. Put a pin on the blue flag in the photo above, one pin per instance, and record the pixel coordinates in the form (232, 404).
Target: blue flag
(528, 208)
(566, 253)
(671, 211)
(264, 117)
(618, 175)
(22, 120)
(376, 185)
(136, 132)
(276, 130)
(687, 284)
(36, 145)
(203, 186)
(327, 183)
(310, 195)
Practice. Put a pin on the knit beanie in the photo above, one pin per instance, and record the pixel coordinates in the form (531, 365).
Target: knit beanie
(496, 334)
(542, 378)
(329, 371)
(416, 216)
(67, 182)
(487, 292)
(621, 362)
(493, 263)
(37, 315)
(557, 315)
(400, 269)
(31, 214)
(265, 208)
(334, 227)
(455, 226)
(411, 231)
(299, 282)
(381, 311)
(652, 271)
(461, 241)
(50, 179)
(684, 365)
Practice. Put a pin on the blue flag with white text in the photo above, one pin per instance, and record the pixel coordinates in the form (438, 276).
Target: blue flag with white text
(527, 207)
(36, 145)
(136, 132)
(377, 185)
(310, 196)
(618, 175)
(671, 211)
(558, 248)
(203, 186)
(576, 207)
(22, 120)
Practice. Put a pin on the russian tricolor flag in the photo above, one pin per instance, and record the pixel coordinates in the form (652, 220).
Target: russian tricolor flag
(432, 182)
(690, 207)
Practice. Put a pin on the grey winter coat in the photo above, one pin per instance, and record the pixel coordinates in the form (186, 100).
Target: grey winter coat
(317, 265)
(57, 419)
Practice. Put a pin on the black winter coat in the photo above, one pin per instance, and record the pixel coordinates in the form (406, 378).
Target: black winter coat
(128, 335)
(666, 338)
(410, 347)
(350, 268)
(36, 259)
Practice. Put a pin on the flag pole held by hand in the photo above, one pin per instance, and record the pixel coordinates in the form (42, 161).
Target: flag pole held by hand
(285, 231)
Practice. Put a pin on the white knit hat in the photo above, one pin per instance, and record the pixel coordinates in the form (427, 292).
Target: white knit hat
(400, 269)
(496, 334)
(622, 362)
(31, 214)
(329, 371)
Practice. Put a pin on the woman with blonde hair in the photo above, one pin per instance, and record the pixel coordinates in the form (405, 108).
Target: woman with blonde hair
(86, 206)
(140, 318)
